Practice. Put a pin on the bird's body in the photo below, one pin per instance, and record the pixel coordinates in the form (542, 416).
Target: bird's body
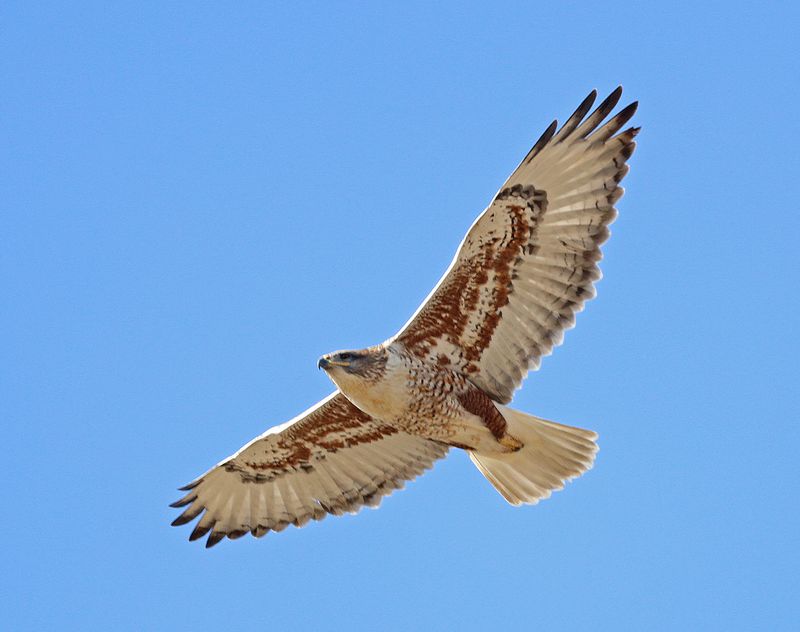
(421, 399)
(525, 268)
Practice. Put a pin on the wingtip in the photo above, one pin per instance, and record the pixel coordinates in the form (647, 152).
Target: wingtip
(610, 102)
(191, 485)
(622, 117)
(214, 538)
(199, 532)
(545, 138)
(632, 107)
(576, 118)
(180, 520)
(586, 104)
(182, 502)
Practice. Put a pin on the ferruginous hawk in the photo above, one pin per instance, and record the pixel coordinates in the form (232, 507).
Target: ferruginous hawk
(525, 268)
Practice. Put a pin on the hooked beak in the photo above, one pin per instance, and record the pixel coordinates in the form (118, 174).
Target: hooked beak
(325, 363)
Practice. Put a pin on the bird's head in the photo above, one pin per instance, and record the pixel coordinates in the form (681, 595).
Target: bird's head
(347, 366)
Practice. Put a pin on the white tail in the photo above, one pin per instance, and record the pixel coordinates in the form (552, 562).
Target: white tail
(551, 454)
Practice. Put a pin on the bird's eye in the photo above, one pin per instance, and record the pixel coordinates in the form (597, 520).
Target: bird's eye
(346, 356)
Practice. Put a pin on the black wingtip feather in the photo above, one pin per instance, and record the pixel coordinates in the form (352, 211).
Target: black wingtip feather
(181, 520)
(626, 113)
(543, 140)
(603, 110)
(199, 532)
(604, 133)
(609, 103)
(215, 538)
(577, 116)
(183, 501)
(190, 486)
(583, 108)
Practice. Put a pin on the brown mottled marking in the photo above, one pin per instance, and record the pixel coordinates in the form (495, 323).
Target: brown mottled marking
(478, 403)
(501, 265)
(447, 314)
(342, 426)
(299, 454)
(442, 317)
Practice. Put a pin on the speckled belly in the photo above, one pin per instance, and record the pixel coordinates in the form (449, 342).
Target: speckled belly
(422, 400)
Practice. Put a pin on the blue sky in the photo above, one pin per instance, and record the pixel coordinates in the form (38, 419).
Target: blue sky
(198, 201)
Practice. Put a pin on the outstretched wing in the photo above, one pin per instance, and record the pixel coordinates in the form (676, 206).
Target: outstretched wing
(529, 261)
(332, 459)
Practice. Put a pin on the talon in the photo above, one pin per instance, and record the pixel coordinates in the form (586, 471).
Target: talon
(513, 444)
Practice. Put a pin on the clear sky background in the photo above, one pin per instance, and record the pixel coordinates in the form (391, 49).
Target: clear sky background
(198, 201)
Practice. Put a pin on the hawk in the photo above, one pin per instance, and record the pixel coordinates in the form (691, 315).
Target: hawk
(523, 271)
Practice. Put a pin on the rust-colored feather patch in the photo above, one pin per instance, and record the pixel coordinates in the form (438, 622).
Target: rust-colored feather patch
(478, 403)
(335, 426)
(466, 309)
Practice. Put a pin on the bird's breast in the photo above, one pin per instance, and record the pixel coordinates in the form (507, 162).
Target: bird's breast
(386, 398)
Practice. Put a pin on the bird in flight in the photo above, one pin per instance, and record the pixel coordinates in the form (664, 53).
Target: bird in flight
(525, 268)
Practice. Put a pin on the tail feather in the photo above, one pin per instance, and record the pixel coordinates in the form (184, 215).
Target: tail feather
(551, 455)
